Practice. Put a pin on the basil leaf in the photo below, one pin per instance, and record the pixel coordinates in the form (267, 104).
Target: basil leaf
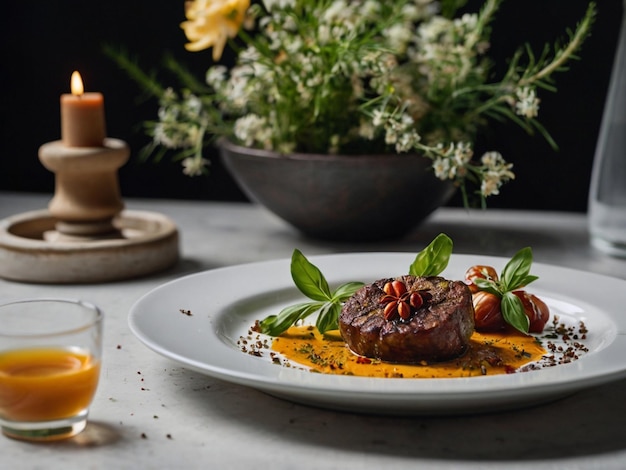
(524, 282)
(516, 273)
(344, 291)
(275, 325)
(433, 259)
(513, 312)
(488, 286)
(328, 319)
(312, 283)
(308, 278)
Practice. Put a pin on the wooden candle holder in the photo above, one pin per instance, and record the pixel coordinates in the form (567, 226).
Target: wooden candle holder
(85, 235)
(87, 195)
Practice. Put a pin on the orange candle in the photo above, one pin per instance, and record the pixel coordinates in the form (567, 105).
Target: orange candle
(82, 116)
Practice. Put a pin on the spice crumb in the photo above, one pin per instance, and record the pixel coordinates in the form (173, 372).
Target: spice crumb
(143, 435)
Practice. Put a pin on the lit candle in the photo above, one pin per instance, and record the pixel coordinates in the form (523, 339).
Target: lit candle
(82, 116)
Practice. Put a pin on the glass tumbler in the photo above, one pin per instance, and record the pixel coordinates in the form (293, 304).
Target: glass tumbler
(50, 354)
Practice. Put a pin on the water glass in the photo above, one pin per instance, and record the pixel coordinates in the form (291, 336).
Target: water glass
(607, 195)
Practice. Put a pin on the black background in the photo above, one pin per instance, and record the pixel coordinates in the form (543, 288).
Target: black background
(42, 42)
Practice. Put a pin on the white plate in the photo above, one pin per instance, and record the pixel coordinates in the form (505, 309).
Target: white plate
(225, 302)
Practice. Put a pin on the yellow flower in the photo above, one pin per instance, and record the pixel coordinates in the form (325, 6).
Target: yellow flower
(212, 22)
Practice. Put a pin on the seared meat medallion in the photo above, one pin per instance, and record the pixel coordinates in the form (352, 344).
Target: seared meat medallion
(417, 319)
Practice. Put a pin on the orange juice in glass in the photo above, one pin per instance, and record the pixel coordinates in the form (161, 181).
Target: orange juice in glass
(50, 353)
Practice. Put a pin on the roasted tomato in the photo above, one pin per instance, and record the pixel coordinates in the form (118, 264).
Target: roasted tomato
(480, 271)
(487, 312)
(535, 309)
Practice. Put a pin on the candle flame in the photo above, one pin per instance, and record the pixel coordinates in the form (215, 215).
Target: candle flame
(76, 84)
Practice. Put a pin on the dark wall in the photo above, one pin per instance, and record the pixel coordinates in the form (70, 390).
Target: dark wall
(42, 42)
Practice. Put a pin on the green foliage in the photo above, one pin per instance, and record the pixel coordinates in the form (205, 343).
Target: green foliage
(433, 259)
(514, 276)
(312, 283)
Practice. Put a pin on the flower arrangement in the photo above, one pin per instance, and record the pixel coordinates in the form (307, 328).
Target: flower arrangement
(354, 76)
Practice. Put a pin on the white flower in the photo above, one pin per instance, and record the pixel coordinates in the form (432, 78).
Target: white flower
(527, 103)
(253, 129)
(216, 76)
(371, 9)
(433, 30)
(442, 168)
(494, 162)
(467, 22)
(379, 118)
(463, 153)
(323, 34)
(496, 172)
(491, 160)
(407, 141)
(367, 130)
(490, 185)
(336, 12)
(391, 136)
(161, 137)
(193, 106)
(194, 166)
(399, 36)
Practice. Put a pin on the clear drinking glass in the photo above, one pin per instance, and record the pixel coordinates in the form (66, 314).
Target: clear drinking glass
(607, 195)
(50, 354)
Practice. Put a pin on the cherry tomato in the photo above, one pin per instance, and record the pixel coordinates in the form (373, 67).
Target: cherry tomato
(487, 312)
(535, 309)
(479, 271)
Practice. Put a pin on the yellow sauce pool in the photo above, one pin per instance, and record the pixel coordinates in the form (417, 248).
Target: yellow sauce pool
(488, 354)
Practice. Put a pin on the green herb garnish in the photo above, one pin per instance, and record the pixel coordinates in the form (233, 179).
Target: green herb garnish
(433, 259)
(309, 280)
(312, 283)
(515, 275)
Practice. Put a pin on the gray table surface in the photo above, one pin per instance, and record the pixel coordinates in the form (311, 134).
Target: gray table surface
(150, 412)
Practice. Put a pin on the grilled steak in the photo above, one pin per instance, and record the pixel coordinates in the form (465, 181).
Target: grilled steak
(372, 324)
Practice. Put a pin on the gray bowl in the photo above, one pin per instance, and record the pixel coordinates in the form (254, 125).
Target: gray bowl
(340, 197)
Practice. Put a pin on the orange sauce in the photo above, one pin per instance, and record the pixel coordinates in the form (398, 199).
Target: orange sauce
(46, 384)
(488, 354)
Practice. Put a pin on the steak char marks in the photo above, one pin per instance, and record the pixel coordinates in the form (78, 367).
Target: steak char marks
(438, 330)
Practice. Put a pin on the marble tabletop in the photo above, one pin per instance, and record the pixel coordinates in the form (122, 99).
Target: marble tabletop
(150, 412)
